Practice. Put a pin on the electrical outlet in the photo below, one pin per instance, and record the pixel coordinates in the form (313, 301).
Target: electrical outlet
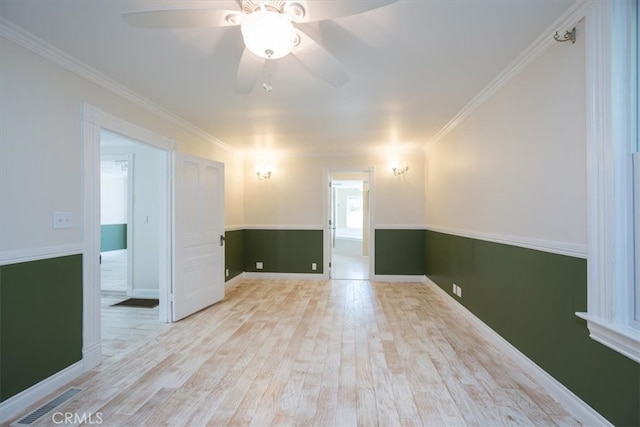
(457, 290)
(314, 266)
(226, 273)
(258, 265)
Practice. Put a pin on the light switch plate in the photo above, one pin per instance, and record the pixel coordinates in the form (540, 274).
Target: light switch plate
(62, 220)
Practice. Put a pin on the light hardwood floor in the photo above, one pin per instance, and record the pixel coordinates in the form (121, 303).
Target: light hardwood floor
(124, 328)
(326, 353)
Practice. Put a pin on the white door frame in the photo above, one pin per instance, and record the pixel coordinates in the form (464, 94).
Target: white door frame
(93, 120)
(327, 216)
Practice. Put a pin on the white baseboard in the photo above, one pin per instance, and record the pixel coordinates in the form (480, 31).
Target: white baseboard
(16, 405)
(418, 278)
(91, 356)
(295, 276)
(108, 288)
(574, 405)
(235, 281)
(145, 293)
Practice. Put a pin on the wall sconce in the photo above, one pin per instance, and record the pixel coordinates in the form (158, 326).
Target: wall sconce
(399, 169)
(263, 173)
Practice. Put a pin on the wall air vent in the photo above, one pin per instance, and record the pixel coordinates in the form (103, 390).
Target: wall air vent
(46, 408)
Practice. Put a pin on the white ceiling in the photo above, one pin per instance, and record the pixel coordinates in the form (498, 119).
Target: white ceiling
(413, 65)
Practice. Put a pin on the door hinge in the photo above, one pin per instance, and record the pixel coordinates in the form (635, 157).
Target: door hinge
(222, 240)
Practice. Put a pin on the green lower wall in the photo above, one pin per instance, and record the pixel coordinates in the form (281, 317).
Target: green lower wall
(399, 252)
(40, 321)
(530, 298)
(234, 252)
(113, 237)
(283, 251)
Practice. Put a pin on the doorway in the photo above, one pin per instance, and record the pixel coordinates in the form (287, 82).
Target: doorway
(131, 211)
(180, 179)
(349, 225)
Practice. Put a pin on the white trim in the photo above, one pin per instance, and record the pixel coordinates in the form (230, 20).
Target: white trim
(622, 339)
(566, 21)
(36, 254)
(235, 281)
(293, 276)
(399, 226)
(15, 405)
(91, 306)
(360, 152)
(611, 125)
(23, 38)
(234, 227)
(93, 120)
(561, 248)
(283, 227)
(109, 122)
(326, 201)
(418, 278)
(567, 399)
(91, 356)
(145, 293)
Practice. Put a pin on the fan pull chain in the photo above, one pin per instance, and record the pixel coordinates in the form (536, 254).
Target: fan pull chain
(267, 77)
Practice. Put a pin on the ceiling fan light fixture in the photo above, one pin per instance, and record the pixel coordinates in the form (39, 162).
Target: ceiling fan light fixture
(268, 34)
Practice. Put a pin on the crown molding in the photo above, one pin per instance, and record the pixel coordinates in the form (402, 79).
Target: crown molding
(569, 19)
(34, 44)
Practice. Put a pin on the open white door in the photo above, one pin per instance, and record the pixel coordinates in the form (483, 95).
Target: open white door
(198, 234)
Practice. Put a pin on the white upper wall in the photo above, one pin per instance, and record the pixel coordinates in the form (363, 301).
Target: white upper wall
(41, 148)
(295, 194)
(517, 165)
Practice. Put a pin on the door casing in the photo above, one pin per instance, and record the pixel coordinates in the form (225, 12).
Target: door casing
(328, 173)
(93, 120)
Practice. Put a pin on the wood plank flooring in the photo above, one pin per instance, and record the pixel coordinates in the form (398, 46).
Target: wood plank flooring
(124, 327)
(325, 353)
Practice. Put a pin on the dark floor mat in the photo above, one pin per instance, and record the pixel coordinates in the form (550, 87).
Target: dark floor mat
(138, 302)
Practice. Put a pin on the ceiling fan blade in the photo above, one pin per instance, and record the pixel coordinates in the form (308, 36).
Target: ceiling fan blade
(248, 70)
(181, 18)
(331, 9)
(319, 62)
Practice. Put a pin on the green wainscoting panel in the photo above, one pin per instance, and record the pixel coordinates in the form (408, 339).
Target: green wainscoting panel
(283, 251)
(113, 237)
(234, 252)
(530, 298)
(40, 321)
(399, 252)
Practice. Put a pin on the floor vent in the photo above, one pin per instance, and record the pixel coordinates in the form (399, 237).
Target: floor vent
(47, 407)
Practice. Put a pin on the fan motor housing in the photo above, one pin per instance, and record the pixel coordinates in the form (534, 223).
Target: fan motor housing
(293, 10)
(249, 6)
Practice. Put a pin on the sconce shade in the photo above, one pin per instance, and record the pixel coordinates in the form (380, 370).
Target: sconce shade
(268, 34)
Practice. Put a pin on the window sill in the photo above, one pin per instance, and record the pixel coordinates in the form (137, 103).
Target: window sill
(623, 339)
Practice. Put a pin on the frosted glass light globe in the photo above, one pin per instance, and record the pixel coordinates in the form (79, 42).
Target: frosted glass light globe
(268, 34)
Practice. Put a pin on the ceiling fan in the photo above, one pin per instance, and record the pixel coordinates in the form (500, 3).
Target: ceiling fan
(269, 32)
